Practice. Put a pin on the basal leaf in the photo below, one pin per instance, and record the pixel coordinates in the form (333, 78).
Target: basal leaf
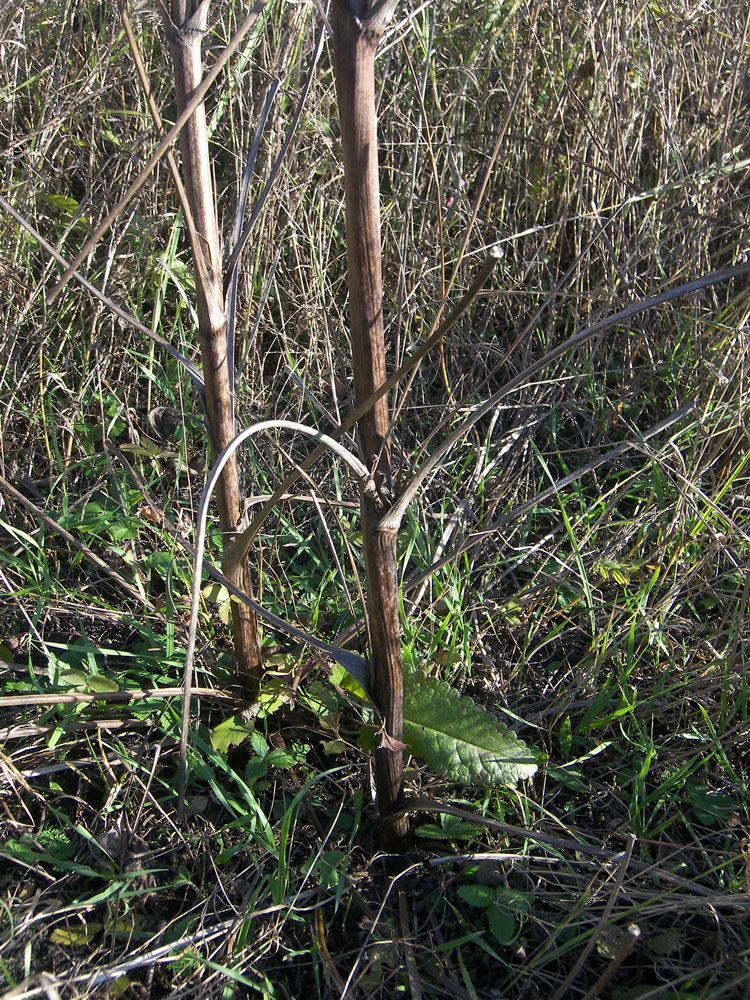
(502, 924)
(477, 895)
(457, 736)
(101, 685)
(230, 733)
(76, 937)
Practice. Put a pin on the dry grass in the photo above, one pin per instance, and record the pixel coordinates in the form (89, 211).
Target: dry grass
(606, 147)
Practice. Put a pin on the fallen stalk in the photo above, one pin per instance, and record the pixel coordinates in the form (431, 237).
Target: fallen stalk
(88, 698)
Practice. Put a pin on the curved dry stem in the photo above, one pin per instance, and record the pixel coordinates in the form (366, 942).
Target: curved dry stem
(200, 544)
(393, 518)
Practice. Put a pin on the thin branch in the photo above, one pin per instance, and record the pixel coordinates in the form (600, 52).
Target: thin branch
(394, 516)
(242, 242)
(241, 546)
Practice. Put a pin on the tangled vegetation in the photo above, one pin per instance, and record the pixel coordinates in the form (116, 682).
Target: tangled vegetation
(577, 565)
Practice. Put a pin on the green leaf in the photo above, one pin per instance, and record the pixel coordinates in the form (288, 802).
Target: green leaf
(76, 937)
(128, 924)
(431, 831)
(502, 924)
(457, 736)
(451, 828)
(271, 700)
(218, 594)
(15, 850)
(326, 867)
(255, 769)
(366, 738)
(118, 987)
(230, 733)
(66, 207)
(709, 807)
(512, 899)
(63, 204)
(320, 699)
(74, 679)
(101, 685)
(666, 943)
(457, 829)
(281, 759)
(477, 895)
(259, 743)
(342, 677)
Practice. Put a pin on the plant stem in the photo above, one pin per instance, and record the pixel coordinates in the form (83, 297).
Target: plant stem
(185, 34)
(354, 46)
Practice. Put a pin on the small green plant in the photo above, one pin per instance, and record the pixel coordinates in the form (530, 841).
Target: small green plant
(503, 909)
(449, 828)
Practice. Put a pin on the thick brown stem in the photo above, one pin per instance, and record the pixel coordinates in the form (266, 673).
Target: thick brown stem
(354, 48)
(386, 667)
(354, 59)
(185, 34)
